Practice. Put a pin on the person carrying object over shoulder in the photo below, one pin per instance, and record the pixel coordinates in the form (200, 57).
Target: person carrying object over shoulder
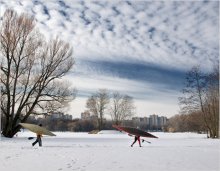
(38, 139)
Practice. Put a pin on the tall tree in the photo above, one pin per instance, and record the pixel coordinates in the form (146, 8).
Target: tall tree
(202, 94)
(122, 108)
(97, 104)
(31, 69)
(211, 104)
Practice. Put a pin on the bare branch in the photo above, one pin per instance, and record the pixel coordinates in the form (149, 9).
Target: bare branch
(30, 69)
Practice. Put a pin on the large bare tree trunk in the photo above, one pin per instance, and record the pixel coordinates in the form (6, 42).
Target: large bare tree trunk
(30, 70)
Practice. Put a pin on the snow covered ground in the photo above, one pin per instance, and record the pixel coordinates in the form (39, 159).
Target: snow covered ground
(110, 150)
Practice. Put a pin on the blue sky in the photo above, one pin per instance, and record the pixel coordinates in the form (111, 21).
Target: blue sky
(140, 48)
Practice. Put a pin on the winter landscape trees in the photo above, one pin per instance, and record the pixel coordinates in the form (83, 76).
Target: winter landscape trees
(119, 107)
(97, 104)
(201, 95)
(30, 70)
(122, 108)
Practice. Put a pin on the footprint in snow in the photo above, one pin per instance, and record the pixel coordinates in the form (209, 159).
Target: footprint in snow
(69, 165)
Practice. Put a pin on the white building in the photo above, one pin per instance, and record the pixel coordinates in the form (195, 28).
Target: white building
(60, 115)
(162, 121)
(154, 120)
(56, 115)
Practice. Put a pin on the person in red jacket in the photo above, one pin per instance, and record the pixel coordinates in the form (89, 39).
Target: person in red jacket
(136, 138)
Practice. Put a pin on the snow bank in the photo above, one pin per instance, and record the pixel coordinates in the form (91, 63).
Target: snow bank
(110, 132)
(103, 152)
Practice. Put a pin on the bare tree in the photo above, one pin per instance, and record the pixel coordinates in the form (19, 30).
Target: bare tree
(122, 108)
(31, 69)
(211, 103)
(186, 122)
(202, 94)
(97, 104)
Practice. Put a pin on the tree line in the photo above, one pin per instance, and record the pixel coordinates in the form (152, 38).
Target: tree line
(186, 123)
(75, 125)
(120, 107)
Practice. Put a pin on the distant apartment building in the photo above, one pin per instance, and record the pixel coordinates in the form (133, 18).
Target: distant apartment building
(136, 119)
(67, 117)
(153, 122)
(60, 115)
(147, 120)
(56, 115)
(163, 120)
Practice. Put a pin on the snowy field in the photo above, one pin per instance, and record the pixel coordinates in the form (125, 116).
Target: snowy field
(110, 151)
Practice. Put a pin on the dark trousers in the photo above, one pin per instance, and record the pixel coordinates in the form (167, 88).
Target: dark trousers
(38, 140)
(136, 139)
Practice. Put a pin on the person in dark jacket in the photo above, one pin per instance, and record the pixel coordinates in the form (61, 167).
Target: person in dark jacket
(38, 139)
(136, 138)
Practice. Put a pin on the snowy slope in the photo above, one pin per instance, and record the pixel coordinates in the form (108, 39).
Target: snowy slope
(100, 152)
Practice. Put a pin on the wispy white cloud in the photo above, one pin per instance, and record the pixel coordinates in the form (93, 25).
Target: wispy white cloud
(144, 31)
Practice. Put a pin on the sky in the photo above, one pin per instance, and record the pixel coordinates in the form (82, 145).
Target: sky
(139, 48)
